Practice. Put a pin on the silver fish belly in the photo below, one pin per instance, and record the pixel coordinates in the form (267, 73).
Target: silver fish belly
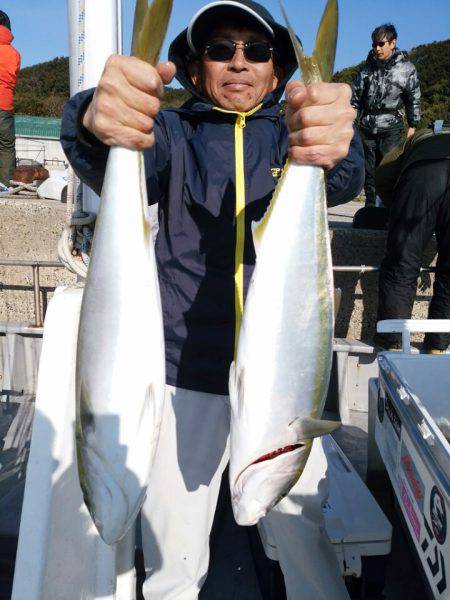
(279, 381)
(120, 356)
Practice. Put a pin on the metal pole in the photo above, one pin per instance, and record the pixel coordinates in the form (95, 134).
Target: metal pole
(35, 264)
(338, 269)
(13, 262)
(361, 269)
(37, 297)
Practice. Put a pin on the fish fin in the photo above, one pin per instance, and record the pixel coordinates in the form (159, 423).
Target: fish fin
(84, 411)
(139, 13)
(235, 385)
(326, 40)
(257, 234)
(153, 30)
(259, 227)
(233, 389)
(309, 428)
(146, 221)
(150, 400)
(232, 380)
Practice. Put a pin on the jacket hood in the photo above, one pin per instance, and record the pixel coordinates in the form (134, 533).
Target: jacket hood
(397, 56)
(181, 54)
(6, 37)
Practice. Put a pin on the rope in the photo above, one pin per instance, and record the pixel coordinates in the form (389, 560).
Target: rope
(75, 242)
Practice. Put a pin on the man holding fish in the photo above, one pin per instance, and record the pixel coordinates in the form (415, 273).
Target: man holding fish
(212, 167)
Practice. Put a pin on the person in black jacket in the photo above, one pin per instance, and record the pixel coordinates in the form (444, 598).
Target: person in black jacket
(212, 166)
(414, 181)
(386, 84)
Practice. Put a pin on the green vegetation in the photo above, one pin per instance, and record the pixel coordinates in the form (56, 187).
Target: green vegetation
(174, 97)
(43, 89)
(432, 62)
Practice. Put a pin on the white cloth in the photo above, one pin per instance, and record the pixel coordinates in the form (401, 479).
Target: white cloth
(183, 489)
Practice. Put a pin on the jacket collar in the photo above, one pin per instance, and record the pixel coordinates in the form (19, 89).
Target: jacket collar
(397, 56)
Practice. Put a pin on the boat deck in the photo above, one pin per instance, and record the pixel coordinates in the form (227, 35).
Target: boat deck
(239, 569)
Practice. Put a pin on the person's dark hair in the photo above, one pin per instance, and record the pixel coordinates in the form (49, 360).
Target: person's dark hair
(4, 20)
(381, 31)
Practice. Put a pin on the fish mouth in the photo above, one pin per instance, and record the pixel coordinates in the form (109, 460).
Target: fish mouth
(275, 453)
(265, 481)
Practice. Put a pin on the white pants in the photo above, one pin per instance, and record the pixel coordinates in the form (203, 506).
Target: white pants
(182, 495)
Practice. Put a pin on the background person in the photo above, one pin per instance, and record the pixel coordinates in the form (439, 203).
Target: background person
(235, 60)
(414, 181)
(385, 84)
(9, 68)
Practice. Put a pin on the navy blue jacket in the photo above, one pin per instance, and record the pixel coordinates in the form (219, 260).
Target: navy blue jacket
(191, 174)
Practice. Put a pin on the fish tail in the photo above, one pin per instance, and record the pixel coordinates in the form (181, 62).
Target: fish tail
(139, 13)
(149, 30)
(320, 66)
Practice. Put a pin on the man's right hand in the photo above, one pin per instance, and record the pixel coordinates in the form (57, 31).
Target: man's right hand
(126, 102)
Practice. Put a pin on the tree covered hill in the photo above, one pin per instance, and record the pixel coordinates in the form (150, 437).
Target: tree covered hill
(432, 62)
(43, 89)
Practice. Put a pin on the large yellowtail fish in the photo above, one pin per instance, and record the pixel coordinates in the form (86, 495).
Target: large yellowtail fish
(120, 357)
(279, 379)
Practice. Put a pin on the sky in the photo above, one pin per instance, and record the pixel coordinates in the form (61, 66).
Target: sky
(41, 33)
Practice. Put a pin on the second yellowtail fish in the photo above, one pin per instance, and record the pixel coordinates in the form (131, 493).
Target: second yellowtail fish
(279, 380)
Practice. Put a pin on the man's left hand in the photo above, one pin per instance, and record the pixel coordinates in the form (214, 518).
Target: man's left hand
(320, 122)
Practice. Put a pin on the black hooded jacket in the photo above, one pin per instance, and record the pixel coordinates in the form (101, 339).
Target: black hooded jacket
(207, 200)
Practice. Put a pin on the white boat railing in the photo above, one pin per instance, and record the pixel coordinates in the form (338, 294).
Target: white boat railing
(408, 326)
(36, 265)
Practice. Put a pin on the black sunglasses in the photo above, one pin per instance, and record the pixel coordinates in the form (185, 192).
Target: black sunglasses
(224, 50)
(381, 44)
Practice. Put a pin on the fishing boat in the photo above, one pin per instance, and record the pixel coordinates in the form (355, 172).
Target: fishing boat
(388, 464)
(367, 462)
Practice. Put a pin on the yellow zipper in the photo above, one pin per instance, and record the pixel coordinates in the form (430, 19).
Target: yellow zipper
(240, 226)
(240, 216)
